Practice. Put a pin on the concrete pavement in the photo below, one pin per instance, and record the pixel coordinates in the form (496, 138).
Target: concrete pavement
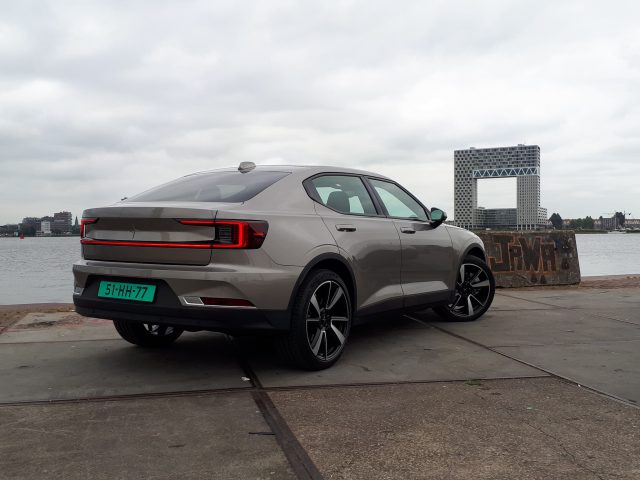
(412, 397)
(590, 335)
(538, 428)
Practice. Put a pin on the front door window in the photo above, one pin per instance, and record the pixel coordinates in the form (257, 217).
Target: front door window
(398, 203)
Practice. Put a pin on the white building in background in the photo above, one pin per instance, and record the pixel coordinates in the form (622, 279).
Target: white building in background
(473, 164)
(45, 228)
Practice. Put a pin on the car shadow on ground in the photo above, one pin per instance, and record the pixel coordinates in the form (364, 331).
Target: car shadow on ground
(391, 349)
(62, 370)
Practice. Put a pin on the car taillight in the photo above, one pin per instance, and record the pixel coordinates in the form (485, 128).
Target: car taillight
(234, 233)
(86, 221)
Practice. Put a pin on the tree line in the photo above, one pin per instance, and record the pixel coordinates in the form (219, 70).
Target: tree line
(586, 223)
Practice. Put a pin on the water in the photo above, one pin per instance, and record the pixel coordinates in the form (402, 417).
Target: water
(609, 254)
(38, 270)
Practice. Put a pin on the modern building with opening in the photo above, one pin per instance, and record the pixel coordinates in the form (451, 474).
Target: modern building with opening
(473, 164)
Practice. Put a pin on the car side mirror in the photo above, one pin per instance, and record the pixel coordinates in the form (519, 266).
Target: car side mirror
(437, 217)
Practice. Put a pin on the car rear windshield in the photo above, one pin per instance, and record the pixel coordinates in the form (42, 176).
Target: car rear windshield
(228, 187)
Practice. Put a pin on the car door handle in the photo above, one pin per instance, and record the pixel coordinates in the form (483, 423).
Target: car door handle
(407, 230)
(345, 228)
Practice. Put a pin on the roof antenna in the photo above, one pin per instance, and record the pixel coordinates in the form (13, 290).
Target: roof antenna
(246, 167)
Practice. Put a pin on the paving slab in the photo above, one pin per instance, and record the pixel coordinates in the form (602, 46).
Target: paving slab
(540, 327)
(97, 368)
(9, 314)
(221, 436)
(502, 429)
(583, 298)
(629, 315)
(58, 326)
(610, 281)
(611, 367)
(592, 345)
(393, 352)
(502, 302)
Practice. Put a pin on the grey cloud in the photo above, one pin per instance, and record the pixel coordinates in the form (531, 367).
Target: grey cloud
(102, 99)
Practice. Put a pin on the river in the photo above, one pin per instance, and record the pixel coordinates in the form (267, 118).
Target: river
(38, 270)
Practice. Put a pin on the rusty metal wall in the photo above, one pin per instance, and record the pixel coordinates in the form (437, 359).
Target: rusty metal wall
(522, 259)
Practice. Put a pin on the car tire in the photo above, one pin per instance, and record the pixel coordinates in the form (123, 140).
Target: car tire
(321, 321)
(147, 334)
(475, 289)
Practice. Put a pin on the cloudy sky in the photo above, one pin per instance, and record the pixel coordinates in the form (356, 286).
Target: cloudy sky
(100, 100)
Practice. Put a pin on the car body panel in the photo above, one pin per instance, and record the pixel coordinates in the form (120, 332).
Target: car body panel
(388, 269)
(427, 257)
(295, 234)
(372, 247)
(241, 274)
(463, 241)
(156, 222)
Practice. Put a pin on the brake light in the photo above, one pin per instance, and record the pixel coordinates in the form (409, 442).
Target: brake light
(125, 243)
(86, 221)
(198, 222)
(228, 234)
(234, 233)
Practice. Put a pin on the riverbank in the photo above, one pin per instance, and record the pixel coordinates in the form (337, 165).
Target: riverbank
(10, 314)
(71, 235)
(38, 270)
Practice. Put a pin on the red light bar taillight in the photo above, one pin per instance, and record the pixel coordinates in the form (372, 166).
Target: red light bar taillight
(228, 234)
(86, 221)
(198, 222)
(234, 233)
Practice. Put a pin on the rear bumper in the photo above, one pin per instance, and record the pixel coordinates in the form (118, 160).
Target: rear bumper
(248, 275)
(167, 309)
(217, 319)
(269, 289)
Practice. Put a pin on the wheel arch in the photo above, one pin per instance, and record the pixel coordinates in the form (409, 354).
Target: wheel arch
(475, 250)
(335, 263)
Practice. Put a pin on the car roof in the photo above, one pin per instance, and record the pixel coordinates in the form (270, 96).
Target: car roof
(308, 170)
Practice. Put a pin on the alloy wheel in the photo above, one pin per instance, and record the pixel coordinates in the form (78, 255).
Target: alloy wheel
(473, 291)
(158, 330)
(327, 320)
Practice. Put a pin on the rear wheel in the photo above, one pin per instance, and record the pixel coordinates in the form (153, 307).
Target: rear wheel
(147, 334)
(320, 324)
(475, 288)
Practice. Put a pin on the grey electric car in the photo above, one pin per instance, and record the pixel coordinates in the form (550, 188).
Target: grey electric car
(302, 253)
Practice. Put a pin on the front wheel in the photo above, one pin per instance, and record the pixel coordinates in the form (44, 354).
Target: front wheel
(320, 323)
(147, 334)
(475, 288)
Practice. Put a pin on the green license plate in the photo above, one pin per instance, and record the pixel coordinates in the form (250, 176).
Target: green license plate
(127, 291)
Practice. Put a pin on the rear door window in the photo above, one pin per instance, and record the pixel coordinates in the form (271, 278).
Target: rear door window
(227, 187)
(343, 193)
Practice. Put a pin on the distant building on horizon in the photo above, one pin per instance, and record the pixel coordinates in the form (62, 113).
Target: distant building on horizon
(9, 230)
(632, 223)
(62, 222)
(45, 227)
(59, 223)
(473, 164)
(30, 223)
(612, 223)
